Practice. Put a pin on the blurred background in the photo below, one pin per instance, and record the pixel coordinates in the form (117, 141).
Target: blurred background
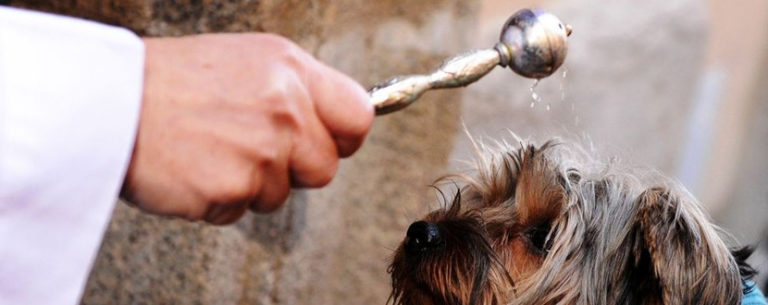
(679, 86)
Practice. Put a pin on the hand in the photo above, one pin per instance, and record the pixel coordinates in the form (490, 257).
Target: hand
(233, 121)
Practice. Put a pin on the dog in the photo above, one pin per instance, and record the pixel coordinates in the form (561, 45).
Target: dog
(548, 225)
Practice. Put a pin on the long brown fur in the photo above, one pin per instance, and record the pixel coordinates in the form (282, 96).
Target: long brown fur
(547, 225)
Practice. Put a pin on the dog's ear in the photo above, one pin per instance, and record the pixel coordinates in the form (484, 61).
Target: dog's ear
(541, 190)
(526, 177)
(687, 259)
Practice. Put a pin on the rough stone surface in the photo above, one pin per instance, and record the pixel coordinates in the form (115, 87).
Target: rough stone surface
(328, 246)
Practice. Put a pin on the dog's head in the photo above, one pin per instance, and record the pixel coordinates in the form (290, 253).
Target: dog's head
(543, 226)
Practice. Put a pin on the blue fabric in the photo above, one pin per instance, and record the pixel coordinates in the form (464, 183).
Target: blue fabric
(755, 297)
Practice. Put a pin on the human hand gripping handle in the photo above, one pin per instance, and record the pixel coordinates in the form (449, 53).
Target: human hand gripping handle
(232, 121)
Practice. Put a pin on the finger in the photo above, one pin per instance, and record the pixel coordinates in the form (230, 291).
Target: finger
(314, 159)
(273, 189)
(221, 214)
(341, 104)
(314, 155)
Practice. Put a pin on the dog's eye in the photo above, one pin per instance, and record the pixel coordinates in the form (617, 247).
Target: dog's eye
(537, 235)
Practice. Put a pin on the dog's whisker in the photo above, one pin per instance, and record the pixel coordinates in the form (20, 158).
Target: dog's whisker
(387, 247)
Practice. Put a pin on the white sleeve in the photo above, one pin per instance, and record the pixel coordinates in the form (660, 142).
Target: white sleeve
(70, 93)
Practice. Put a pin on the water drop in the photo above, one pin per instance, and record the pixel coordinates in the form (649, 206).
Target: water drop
(562, 85)
(535, 96)
(549, 106)
(562, 92)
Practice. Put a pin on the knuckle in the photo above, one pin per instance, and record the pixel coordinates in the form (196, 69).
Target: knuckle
(266, 157)
(281, 110)
(288, 53)
(287, 117)
(283, 100)
(295, 58)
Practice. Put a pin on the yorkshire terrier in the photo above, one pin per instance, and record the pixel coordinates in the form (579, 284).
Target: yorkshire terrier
(546, 225)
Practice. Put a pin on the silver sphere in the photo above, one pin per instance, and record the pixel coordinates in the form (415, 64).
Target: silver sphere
(533, 43)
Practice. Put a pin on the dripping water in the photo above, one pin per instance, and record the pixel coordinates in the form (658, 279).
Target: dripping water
(535, 96)
(576, 118)
(562, 85)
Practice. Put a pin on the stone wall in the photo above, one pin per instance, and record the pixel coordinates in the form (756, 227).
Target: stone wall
(328, 246)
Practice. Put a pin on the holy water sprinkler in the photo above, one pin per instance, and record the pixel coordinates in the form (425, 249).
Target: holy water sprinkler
(533, 43)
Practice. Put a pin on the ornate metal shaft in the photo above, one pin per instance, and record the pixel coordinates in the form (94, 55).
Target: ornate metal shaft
(532, 43)
(459, 71)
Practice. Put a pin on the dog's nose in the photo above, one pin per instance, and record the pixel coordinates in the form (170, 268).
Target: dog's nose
(422, 236)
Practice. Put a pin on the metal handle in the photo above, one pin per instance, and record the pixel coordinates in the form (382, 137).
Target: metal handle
(458, 71)
(532, 43)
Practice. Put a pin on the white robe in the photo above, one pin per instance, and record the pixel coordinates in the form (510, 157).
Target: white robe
(70, 93)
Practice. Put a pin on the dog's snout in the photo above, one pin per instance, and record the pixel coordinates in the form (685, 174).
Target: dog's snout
(422, 236)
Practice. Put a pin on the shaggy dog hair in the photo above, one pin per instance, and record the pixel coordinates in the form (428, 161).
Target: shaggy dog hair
(547, 225)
